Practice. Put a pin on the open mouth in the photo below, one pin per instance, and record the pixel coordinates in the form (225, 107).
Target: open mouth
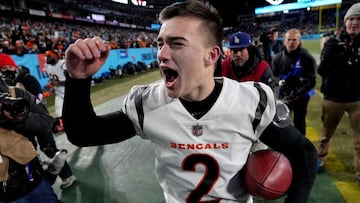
(170, 75)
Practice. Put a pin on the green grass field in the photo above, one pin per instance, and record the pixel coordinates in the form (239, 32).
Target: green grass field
(340, 166)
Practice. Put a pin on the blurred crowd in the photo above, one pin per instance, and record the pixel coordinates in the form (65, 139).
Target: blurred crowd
(29, 36)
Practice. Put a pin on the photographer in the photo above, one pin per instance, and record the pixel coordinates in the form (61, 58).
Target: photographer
(22, 177)
(270, 44)
(340, 71)
(14, 75)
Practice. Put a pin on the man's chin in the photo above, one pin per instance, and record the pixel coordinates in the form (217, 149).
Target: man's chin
(239, 64)
(171, 93)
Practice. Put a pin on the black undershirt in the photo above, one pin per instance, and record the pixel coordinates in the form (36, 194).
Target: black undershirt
(199, 108)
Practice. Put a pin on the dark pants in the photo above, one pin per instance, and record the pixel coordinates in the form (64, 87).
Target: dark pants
(299, 110)
(48, 146)
(43, 193)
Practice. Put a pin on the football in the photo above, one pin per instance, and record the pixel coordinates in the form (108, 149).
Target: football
(267, 174)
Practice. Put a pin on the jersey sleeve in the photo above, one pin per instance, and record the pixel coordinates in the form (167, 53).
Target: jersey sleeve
(266, 108)
(133, 107)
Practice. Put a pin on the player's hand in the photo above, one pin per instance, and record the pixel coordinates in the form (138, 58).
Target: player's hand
(86, 56)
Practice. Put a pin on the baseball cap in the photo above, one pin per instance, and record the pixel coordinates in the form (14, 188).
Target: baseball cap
(6, 60)
(52, 54)
(239, 40)
(353, 10)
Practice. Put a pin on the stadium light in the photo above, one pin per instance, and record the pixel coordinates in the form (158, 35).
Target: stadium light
(293, 6)
(121, 1)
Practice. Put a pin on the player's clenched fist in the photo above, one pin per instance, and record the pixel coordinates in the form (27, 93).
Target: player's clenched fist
(86, 56)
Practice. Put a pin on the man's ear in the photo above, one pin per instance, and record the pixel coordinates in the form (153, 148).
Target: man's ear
(213, 56)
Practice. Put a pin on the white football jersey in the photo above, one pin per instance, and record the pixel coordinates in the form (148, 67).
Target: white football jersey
(57, 71)
(196, 159)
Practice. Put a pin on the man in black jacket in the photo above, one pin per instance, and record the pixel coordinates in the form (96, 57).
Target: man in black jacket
(22, 118)
(270, 44)
(21, 77)
(295, 69)
(340, 71)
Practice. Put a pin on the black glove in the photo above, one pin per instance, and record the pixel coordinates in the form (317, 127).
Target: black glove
(289, 90)
(293, 82)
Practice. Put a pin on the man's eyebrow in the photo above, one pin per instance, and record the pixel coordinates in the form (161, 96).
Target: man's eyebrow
(172, 38)
(177, 38)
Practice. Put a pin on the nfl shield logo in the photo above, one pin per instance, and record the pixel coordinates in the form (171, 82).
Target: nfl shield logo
(197, 130)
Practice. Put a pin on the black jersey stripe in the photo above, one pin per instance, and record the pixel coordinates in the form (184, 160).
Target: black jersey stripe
(261, 106)
(139, 106)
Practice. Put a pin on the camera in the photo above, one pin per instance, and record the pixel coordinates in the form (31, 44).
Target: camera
(342, 47)
(16, 106)
(264, 38)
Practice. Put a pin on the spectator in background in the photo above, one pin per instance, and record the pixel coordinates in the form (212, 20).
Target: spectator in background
(270, 44)
(20, 48)
(295, 71)
(34, 49)
(340, 71)
(56, 68)
(5, 46)
(245, 63)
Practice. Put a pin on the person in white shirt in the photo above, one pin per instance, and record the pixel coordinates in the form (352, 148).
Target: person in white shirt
(56, 68)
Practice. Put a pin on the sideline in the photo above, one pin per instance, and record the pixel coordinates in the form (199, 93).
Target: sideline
(349, 190)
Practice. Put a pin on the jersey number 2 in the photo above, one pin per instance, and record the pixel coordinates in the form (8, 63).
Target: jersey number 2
(212, 173)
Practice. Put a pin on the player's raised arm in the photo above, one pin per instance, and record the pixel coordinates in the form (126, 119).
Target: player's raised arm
(86, 56)
(82, 126)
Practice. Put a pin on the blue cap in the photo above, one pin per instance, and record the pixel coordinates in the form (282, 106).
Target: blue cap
(239, 40)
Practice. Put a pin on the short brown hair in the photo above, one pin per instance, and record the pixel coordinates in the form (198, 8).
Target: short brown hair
(194, 8)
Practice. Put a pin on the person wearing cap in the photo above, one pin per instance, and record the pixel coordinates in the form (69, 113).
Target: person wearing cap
(295, 72)
(245, 63)
(340, 72)
(270, 44)
(8, 69)
(56, 68)
(21, 77)
(22, 177)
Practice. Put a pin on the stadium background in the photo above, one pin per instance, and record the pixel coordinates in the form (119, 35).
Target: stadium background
(135, 24)
(124, 172)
